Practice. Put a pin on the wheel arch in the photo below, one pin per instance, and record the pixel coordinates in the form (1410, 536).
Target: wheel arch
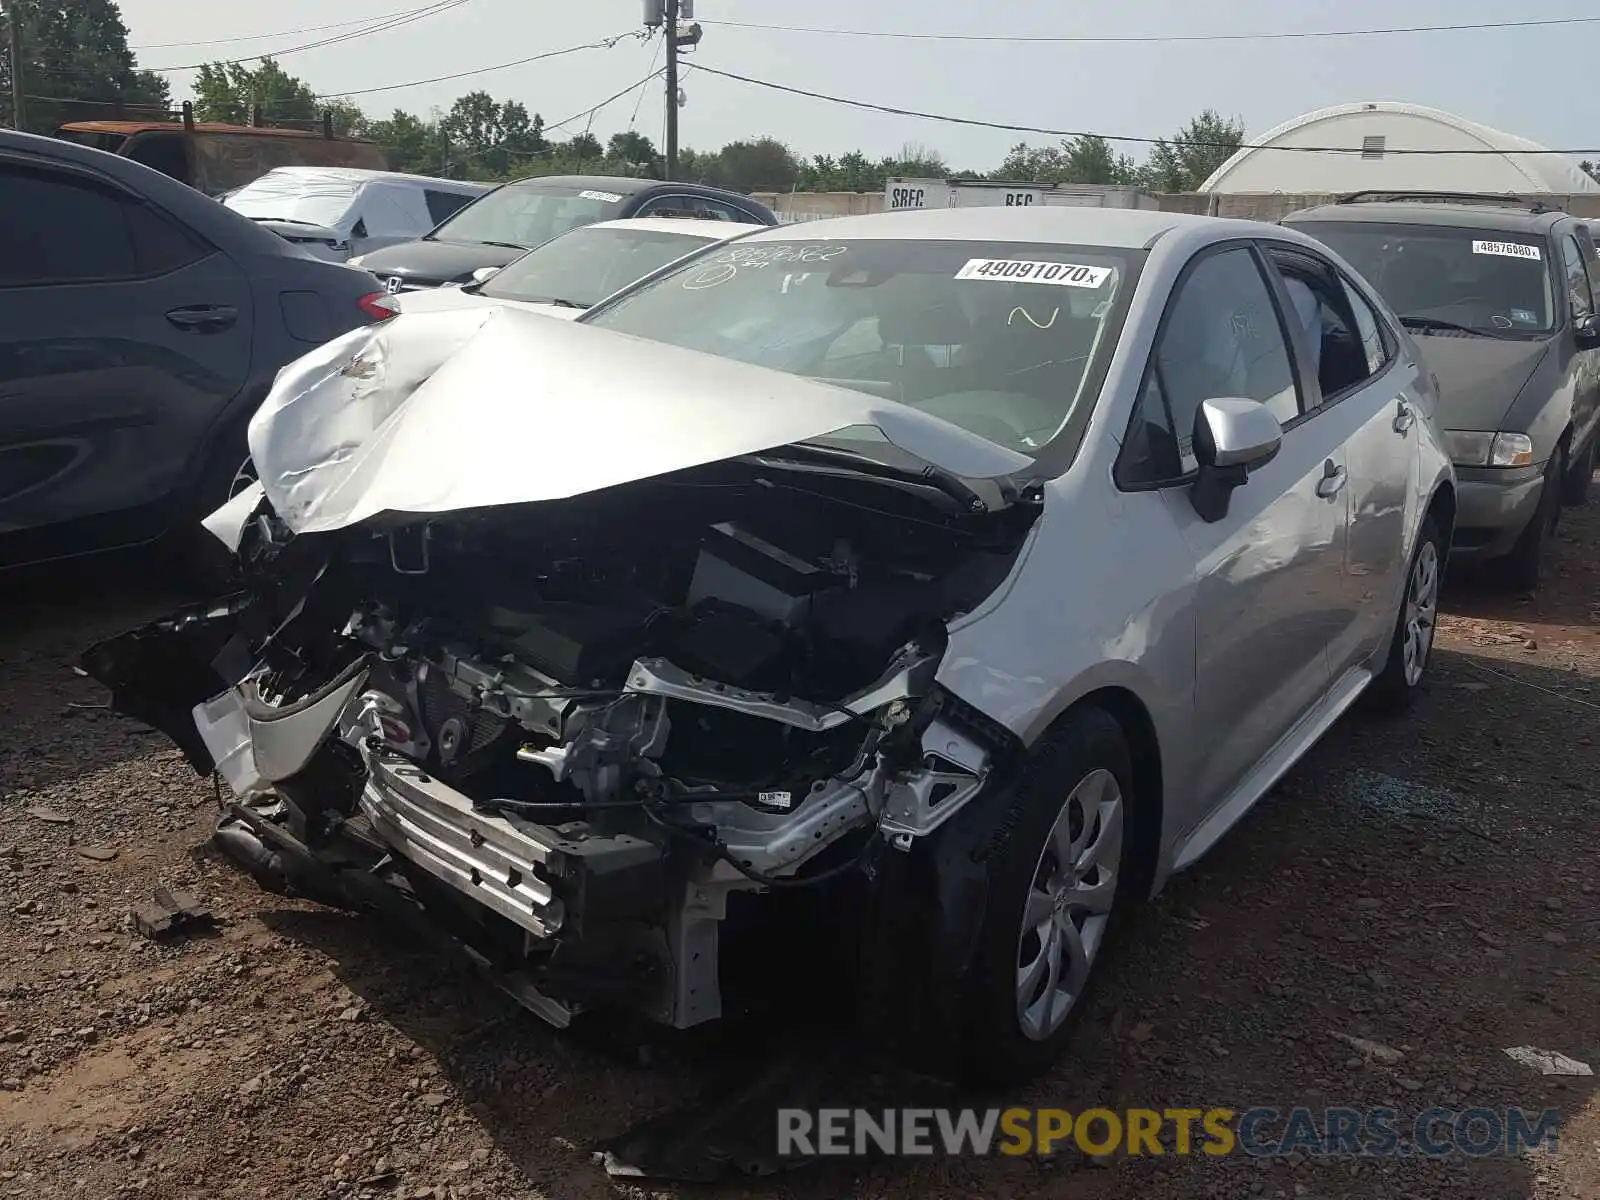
(1442, 511)
(1138, 727)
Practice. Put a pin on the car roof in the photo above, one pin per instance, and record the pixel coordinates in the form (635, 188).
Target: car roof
(1446, 214)
(355, 176)
(1123, 228)
(619, 185)
(132, 127)
(717, 230)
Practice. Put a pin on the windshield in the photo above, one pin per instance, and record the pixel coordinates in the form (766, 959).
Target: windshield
(528, 214)
(294, 196)
(998, 338)
(585, 266)
(1480, 280)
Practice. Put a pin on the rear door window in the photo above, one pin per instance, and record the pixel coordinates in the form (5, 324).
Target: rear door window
(60, 229)
(1320, 306)
(443, 205)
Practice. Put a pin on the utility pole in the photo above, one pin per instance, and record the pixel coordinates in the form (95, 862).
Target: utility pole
(14, 60)
(672, 88)
(665, 15)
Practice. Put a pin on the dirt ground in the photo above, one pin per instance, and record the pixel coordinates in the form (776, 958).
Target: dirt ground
(1427, 883)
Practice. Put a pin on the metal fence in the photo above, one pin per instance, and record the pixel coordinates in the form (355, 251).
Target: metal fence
(812, 206)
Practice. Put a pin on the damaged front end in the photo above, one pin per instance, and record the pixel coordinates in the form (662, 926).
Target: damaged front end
(588, 738)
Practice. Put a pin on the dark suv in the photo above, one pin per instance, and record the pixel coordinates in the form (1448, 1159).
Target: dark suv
(1501, 297)
(141, 323)
(514, 218)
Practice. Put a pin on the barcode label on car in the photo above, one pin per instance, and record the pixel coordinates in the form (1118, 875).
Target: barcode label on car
(1508, 250)
(607, 197)
(1019, 270)
(776, 799)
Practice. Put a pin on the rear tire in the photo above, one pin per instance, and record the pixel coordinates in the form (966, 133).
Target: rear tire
(1411, 649)
(1057, 886)
(1524, 567)
(1579, 478)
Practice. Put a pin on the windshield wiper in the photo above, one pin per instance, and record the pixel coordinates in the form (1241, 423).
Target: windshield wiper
(559, 302)
(1434, 323)
(927, 475)
(503, 245)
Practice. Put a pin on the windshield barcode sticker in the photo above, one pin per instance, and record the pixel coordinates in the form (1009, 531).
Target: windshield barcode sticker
(1017, 270)
(607, 197)
(1508, 250)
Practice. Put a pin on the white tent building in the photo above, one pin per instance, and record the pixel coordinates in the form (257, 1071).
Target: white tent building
(1489, 160)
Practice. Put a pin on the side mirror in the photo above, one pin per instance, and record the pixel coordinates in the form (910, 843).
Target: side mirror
(484, 274)
(1586, 331)
(1232, 437)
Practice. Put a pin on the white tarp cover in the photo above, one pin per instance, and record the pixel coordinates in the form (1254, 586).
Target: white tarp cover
(308, 197)
(444, 411)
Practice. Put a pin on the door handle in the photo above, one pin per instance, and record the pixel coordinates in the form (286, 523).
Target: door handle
(1332, 481)
(203, 318)
(1404, 418)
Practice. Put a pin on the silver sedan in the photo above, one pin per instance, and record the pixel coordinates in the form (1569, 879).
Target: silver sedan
(1244, 502)
(979, 567)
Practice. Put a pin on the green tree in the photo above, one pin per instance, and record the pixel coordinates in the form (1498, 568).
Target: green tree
(632, 153)
(488, 138)
(763, 164)
(1194, 152)
(584, 147)
(1082, 159)
(410, 143)
(226, 91)
(76, 52)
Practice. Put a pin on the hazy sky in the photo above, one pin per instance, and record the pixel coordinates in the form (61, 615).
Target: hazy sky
(1533, 82)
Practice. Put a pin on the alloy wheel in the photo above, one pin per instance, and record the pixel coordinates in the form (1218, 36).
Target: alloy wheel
(1422, 611)
(1069, 904)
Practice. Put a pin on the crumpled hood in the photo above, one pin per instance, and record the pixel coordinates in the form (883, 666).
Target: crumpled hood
(485, 406)
(1479, 378)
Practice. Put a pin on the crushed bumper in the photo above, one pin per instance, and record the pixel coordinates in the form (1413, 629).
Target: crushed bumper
(540, 879)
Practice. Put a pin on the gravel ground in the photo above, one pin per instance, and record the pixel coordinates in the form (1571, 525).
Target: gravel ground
(1426, 883)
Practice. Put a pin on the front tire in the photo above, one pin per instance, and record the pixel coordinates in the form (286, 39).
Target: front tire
(1524, 567)
(1056, 875)
(202, 560)
(1579, 477)
(1411, 649)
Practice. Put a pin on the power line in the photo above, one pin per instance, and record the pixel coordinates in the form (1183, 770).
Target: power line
(262, 37)
(590, 112)
(1108, 137)
(655, 57)
(281, 104)
(380, 26)
(1148, 39)
(604, 44)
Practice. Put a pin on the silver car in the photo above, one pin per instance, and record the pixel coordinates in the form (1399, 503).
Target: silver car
(1020, 555)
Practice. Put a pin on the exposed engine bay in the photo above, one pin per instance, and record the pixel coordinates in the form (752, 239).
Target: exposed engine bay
(573, 730)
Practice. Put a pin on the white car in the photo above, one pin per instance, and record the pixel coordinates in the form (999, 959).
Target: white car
(337, 212)
(579, 268)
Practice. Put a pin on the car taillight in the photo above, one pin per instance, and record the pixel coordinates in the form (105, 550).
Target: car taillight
(380, 306)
